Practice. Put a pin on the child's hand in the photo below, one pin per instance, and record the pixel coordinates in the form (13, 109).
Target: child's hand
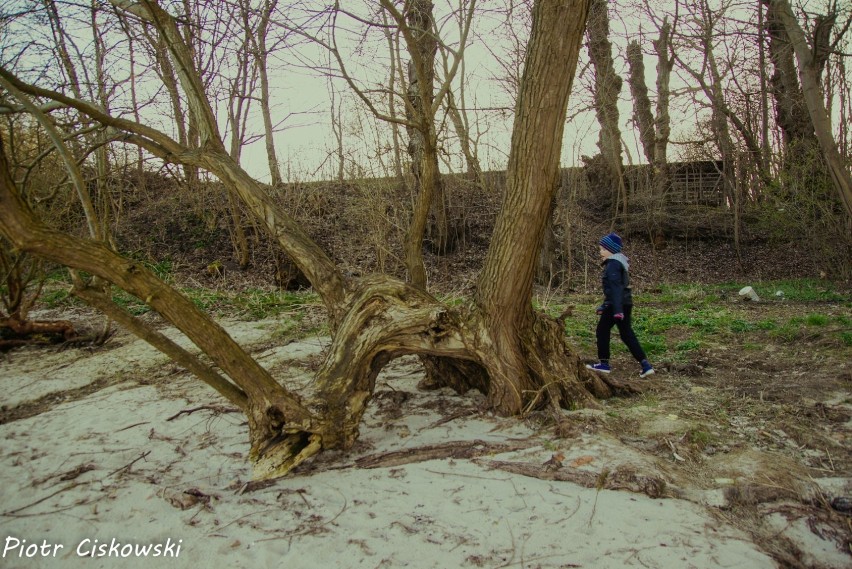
(619, 316)
(600, 309)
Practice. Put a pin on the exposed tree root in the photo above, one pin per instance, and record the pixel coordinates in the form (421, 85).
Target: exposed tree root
(456, 449)
(14, 332)
(619, 479)
(387, 318)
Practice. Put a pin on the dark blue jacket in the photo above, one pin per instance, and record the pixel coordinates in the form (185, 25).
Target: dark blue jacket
(616, 283)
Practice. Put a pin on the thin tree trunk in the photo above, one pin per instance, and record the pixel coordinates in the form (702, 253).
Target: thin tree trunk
(642, 115)
(337, 131)
(654, 143)
(395, 71)
(134, 101)
(765, 145)
(474, 168)
(261, 58)
(607, 89)
(140, 329)
(422, 143)
(242, 87)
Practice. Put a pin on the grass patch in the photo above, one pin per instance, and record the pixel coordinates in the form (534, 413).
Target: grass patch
(254, 304)
(816, 319)
(129, 303)
(788, 333)
(701, 438)
(653, 345)
(738, 326)
(56, 298)
(675, 321)
(688, 346)
(804, 290)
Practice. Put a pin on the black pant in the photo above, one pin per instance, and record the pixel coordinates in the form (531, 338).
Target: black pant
(605, 324)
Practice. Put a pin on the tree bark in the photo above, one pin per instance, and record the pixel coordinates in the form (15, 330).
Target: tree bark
(504, 288)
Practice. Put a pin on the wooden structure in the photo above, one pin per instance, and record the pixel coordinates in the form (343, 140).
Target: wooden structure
(696, 183)
(690, 183)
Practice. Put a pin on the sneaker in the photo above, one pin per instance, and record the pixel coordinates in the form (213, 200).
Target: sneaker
(646, 369)
(600, 368)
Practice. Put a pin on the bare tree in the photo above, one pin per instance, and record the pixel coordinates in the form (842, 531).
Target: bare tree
(810, 64)
(422, 99)
(790, 108)
(515, 355)
(607, 89)
(261, 51)
(459, 118)
(654, 131)
(394, 71)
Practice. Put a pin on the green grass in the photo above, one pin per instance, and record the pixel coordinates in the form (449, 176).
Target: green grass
(803, 290)
(56, 297)
(799, 290)
(254, 304)
(675, 321)
(130, 303)
(816, 319)
(738, 326)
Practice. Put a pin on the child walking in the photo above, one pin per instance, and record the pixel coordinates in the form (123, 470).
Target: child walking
(617, 307)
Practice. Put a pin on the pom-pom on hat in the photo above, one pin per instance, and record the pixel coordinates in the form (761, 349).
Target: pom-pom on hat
(611, 243)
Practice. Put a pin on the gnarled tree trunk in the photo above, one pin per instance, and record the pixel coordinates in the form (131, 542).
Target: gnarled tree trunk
(498, 344)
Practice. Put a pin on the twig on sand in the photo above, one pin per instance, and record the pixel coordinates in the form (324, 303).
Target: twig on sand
(448, 418)
(216, 408)
(131, 426)
(600, 483)
(131, 463)
(39, 501)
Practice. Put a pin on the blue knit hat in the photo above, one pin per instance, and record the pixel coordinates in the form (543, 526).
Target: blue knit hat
(611, 243)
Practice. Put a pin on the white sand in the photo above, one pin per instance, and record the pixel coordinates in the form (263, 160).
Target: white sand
(441, 513)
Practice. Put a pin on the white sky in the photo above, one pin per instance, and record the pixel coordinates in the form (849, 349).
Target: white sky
(301, 102)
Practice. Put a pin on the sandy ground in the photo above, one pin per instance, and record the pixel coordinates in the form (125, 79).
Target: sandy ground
(107, 465)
